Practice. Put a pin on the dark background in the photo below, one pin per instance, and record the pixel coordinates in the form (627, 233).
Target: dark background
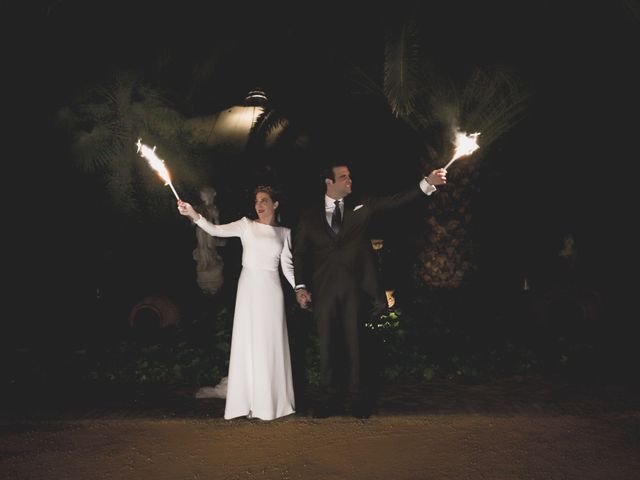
(566, 168)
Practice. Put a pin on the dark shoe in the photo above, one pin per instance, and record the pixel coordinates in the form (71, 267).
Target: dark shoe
(360, 410)
(321, 411)
(360, 413)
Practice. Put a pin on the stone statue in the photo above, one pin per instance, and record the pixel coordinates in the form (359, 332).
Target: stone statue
(209, 263)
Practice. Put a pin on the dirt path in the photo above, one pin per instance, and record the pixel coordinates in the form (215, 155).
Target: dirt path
(500, 431)
(468, 446)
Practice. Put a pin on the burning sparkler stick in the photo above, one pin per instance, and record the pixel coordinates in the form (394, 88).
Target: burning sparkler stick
(149, 154)
(465, 145)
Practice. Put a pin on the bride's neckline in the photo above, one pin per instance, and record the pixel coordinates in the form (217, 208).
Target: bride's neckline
(266, 224)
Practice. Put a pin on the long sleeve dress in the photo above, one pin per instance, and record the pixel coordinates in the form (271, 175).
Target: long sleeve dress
(260, 383)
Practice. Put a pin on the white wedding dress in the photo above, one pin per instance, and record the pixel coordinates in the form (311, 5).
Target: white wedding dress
(259, 384)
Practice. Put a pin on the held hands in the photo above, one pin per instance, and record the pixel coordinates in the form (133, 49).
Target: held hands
(187, 210)
(437, 177)
(303, 296)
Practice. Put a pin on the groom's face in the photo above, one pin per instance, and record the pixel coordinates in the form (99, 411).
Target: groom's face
(341, 186)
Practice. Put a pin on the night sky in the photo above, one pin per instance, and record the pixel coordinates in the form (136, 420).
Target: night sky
(564, 169)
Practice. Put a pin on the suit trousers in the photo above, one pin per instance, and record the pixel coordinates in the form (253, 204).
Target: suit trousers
(339, 317)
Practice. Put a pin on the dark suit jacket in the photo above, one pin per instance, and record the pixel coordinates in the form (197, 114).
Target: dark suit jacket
(327, 263)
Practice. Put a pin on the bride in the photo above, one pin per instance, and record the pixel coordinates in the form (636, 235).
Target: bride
(259, 382)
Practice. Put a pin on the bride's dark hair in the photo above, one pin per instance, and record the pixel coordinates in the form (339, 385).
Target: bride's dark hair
(273, 194)
(269, 190)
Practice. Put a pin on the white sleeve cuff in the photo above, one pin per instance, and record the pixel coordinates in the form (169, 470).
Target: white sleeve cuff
(426, 187)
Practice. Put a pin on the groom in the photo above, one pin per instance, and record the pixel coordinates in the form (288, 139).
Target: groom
(334, 263)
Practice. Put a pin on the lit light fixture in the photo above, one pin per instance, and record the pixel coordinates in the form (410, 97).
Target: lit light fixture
(377, 243)
(391, 300)
(230, 127)
(256, 98)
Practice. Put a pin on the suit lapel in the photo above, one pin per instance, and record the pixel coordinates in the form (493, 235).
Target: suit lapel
(347, 214)
(323, 222)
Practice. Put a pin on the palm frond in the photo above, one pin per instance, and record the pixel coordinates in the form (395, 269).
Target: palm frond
(401, 62)
(120, 183)
(492, 102)
(266, 123)
(94, 150)
(365, 82)
(104, 123)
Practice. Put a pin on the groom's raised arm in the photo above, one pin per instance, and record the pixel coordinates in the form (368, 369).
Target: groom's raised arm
(426, 187)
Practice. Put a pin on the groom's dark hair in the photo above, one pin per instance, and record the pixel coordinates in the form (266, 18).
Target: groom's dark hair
(328, 172)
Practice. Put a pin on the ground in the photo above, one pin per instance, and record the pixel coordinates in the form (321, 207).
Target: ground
(509, 429)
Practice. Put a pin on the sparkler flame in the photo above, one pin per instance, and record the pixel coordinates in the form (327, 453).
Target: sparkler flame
(149, 154)
(466, 144)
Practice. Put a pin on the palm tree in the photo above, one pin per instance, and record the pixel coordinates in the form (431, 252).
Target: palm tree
(104, 123)
(490, 101)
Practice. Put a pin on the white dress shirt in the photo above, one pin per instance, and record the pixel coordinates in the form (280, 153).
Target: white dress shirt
(330, 206)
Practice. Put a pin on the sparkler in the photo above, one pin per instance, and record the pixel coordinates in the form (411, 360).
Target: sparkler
(465, 145)
(149, 154)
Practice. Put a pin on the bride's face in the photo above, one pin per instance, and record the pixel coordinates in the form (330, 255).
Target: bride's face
(265, 206)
